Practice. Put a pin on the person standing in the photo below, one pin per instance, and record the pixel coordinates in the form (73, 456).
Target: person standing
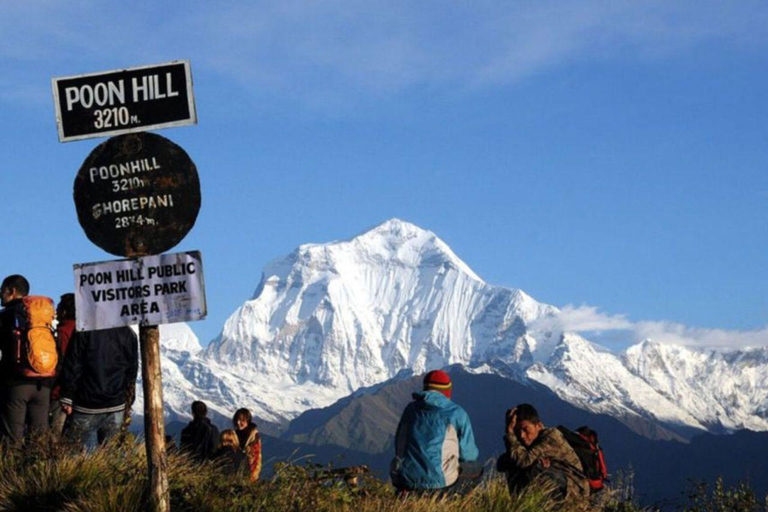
(249, 441)
(98, 376)
(24, 391)
(200, 436)
(433, 437)
(65, 315)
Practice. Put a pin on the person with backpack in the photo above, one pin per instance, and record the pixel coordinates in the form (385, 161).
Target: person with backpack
(537, 453)
(433, 437)
(29, 358)
(584, 442)
(65, 327)
(249, 441)
(97, 379)
(200, 437)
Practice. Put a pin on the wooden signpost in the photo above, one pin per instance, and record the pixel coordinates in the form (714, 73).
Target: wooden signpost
(137, 195)
(154, 424)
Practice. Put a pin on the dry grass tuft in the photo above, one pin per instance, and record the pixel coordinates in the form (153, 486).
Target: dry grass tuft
(51, 476)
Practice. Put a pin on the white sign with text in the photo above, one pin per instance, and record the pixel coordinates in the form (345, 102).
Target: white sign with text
(151, 290)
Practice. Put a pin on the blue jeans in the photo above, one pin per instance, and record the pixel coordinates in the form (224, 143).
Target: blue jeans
(81, 427)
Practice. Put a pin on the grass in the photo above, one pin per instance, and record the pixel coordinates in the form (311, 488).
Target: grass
(50, 476)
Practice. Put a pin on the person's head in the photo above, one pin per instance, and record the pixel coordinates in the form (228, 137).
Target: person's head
(242, 419)
(13, 287)
(199, 410)
(438, 380)
(65, 310)
(528, 425)
(228, 439)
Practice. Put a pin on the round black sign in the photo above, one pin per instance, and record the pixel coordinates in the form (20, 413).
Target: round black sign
(137, 194)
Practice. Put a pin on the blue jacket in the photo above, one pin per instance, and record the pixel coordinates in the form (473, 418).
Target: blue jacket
(433, 436)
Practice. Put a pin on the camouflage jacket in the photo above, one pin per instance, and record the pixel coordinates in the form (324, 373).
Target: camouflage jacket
(551, 445)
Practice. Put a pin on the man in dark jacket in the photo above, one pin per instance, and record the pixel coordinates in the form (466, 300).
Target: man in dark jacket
(200, 437)
(99, 370)
(23, 399)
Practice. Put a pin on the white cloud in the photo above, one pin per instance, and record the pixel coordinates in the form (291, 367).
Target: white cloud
(347, 49)
(678, 334)
(582, 319)
(618, 330)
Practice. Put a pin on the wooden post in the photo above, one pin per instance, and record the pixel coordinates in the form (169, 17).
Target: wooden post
(154, 423)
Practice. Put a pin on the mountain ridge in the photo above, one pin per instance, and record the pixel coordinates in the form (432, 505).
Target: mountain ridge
(658, 470)
(330, 319)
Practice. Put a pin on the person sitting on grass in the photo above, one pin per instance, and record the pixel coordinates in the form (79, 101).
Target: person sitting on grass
(200, 436)
(534, 452)
(249, 441)
(433, 437)
(233, 460)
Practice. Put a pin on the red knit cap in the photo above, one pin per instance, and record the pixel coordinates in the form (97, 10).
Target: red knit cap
(438, 380)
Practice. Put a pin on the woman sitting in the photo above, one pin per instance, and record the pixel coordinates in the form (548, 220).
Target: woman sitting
(233, 460)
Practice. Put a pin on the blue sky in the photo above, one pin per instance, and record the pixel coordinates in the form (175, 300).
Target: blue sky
(609, 158)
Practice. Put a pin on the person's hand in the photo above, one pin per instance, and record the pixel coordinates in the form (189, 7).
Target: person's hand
(511, 420)
(545, 462)
(67, 409)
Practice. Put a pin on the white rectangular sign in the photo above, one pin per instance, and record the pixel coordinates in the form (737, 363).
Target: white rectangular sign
(152, 290)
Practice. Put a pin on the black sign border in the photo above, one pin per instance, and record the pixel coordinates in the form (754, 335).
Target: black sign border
(121, 131)
(105, 239)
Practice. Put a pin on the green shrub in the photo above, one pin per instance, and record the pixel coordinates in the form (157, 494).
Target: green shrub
(739, 498)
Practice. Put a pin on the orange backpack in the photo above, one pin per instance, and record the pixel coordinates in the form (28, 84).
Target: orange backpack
(36, 354)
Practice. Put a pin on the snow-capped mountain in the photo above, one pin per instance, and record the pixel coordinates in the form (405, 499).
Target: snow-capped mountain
(729, 389)
(329, 319)
(178, 344)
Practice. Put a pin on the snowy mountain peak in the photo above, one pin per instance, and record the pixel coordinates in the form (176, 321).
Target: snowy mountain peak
(394, 244)
(404, 243)
(179, 337)
(395, 228)
(354, 313)
(573, 350)
(329, 319)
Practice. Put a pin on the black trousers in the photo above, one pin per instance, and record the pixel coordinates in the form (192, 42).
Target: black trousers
(519, 479)
(21, 405)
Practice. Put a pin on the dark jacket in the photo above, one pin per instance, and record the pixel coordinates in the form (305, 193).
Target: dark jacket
(9, 368)
(99, 369)
(64, 332)
(250, 445)
(233, 462)
(200, 438)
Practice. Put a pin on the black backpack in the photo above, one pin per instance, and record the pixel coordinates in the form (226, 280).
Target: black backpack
(584, 443)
